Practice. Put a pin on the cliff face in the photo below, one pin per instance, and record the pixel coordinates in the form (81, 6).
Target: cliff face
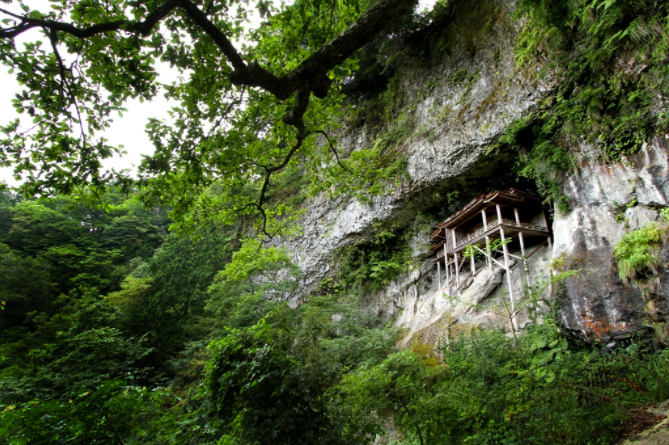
(459, 122)
(608, 200)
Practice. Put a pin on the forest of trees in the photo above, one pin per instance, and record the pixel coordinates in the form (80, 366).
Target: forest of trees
(153, 310)
(116, 331)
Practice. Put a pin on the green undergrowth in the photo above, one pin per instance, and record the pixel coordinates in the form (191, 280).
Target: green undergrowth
(266, 373)
(492, 389)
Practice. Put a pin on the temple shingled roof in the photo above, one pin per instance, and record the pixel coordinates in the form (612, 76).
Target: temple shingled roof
(510, 196)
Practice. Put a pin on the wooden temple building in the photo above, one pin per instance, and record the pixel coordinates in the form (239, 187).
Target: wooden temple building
(511, 214)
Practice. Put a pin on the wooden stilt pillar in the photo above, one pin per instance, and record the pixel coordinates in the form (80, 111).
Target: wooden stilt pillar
(455, 264)
(473, 265)
(449, 276)
(448, 270)
(487, 238)
(520, 234)
(505, 249)
(522, 250)
(543, 215)
(457, 274)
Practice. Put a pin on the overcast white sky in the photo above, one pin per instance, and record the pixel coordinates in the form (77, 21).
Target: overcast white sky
(127, 131)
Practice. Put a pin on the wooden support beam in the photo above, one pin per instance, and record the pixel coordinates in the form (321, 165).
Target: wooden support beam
(543, 214)
(455, 258)
(491, 259)
(487, 238)
(439, 274)
(514, 321)
(457, 274)
(510, 254)
(448, 269)
(540, 246)
(522, 251)
(520, 233)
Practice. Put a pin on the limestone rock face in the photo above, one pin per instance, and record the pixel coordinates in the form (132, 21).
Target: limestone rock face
(456, 125)
(608, 200)
(462, 122)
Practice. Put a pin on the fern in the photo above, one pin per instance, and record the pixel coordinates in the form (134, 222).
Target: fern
(638, 255)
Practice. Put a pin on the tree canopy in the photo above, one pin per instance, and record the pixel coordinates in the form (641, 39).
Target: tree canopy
(243, 112)
(115, 331)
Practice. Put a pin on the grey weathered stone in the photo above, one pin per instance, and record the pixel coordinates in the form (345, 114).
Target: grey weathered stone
(595, 301)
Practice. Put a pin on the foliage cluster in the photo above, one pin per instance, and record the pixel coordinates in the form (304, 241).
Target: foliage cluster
(92, 294)
(273, 382)
(492, 389)
(366, 267)
(254, 282)
(185, 361)
(639, 261)
(610, 57)
(638, 253)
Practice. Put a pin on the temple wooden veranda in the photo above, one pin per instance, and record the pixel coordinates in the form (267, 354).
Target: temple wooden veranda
(513, 216)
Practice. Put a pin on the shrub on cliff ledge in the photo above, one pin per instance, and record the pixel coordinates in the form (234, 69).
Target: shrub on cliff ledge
(638, 255)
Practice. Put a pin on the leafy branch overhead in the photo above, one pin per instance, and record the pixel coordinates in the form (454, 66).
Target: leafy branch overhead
(245, 111)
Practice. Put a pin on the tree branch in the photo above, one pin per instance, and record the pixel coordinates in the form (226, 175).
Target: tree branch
(313, 70)
(406, 408)
(334, 150)
(310, 74)
(143, 28)
(294, 118)
(53, 38)
(268, 173)
(201, 19)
